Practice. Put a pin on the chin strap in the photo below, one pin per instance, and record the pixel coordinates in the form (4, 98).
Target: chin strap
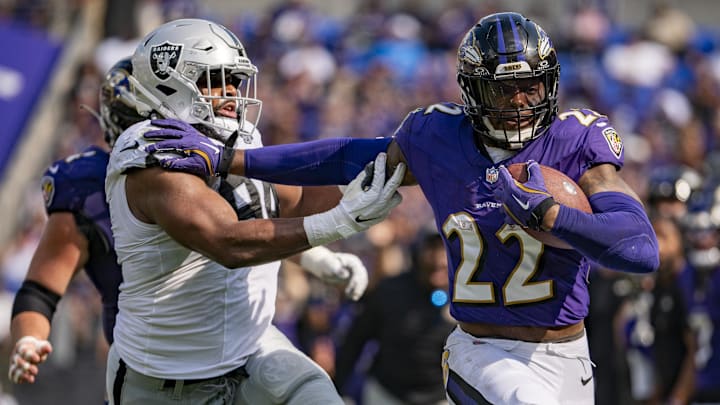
(230, 143)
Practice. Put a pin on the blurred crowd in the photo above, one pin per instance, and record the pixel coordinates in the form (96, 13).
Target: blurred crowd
(322, 76)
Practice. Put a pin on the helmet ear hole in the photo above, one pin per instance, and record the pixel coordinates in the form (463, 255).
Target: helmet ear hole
(166, 90)
(500, 57)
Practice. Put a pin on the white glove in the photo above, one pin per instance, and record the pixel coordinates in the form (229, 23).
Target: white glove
(358, 209)
(29, 352)
(337, 268)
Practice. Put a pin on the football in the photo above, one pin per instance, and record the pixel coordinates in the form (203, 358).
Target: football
(563, 189)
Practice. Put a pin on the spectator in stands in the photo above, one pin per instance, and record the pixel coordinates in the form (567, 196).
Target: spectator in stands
(407, 317)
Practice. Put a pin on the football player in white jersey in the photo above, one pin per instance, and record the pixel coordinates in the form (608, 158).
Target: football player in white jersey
(78, 236)
(199, 286)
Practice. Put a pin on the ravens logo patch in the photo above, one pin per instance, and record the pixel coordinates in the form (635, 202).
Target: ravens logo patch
(614, 141)
(47, 185)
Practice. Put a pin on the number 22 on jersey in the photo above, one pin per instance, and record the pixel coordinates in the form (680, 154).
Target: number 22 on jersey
(518, 287)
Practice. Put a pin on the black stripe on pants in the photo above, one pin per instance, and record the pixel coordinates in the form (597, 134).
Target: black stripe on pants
(463, 393)
(118, 383)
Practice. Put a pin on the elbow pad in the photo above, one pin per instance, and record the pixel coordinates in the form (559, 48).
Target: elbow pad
(618, 234)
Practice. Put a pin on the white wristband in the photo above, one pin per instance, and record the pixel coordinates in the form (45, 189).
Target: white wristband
(327, 227)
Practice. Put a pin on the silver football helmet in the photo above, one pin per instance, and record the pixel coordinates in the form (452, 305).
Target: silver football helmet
(185, 65)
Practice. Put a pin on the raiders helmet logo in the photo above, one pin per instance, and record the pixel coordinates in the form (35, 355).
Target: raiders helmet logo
(163, 58)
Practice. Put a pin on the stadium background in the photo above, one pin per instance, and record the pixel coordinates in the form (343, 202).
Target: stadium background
(350, 68)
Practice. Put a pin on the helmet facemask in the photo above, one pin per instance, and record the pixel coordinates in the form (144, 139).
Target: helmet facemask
(489, 101)
(508, 76)
(226, 100)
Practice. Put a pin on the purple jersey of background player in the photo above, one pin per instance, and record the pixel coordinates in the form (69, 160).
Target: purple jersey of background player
(456, 179)
(703, 298)
(76, 184)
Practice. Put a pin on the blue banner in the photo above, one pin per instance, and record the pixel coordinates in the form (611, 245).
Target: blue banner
(26, 62)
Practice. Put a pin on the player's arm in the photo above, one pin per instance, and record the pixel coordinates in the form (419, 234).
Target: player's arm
(316, 163)
(322, 162)
(331, 267)
(297, 201)
(203, 221)
(62, 251)
(618, 233)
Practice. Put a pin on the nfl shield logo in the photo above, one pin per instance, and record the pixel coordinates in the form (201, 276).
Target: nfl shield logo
(163, 58)
(491, 174)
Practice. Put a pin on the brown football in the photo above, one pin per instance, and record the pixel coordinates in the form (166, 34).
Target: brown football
(563, 189)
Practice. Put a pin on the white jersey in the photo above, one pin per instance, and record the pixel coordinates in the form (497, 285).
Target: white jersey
(181, 315)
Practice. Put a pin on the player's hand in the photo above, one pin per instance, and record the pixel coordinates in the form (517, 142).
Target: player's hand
(362, 205)
(337, 268)
(29, 352)
(525, 203)
(366, 203)
(180, 147)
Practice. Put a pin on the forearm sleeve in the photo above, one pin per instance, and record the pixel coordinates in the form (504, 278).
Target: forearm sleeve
(618, 234)
(317, 163)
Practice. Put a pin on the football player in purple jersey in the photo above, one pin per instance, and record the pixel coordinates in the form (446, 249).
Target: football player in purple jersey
(700, 282)
(520, 304)
(77, 235)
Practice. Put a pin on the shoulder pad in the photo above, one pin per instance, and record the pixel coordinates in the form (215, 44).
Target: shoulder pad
(129, 150)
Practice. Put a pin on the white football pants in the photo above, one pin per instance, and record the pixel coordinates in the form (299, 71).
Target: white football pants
(504, 371)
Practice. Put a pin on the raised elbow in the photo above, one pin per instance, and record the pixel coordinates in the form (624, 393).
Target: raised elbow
(638, 254)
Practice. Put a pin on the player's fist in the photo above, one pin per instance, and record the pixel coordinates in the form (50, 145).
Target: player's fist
(28, 353)
(337, 268)
(525, 203)
(366, 201)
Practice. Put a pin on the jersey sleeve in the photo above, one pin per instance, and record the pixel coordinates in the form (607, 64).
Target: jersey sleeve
(69, 182)
(404, 133)
(603, 144)
(56, 192)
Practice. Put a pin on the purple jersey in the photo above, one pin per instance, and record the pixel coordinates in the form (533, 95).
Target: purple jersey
(76, 184)
(498, 273)
(702, 289)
